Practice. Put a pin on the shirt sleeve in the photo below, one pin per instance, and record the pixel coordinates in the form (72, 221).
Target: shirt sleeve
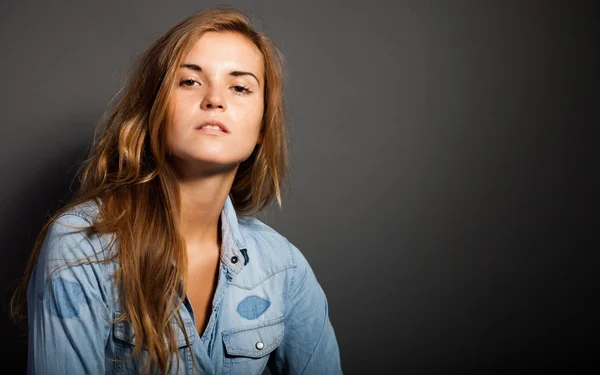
(68, 317)
(309, 346)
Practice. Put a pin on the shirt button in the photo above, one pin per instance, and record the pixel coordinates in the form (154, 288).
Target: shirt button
(259, 345)
(234, 259)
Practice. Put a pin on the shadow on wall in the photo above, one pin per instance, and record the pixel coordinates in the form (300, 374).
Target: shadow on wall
(22, 217)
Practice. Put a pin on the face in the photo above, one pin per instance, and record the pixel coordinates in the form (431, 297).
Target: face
(220, 82)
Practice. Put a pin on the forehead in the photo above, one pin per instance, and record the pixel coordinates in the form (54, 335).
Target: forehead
(227, 49)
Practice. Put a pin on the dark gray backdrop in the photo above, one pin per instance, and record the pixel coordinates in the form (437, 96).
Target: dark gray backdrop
(442, 168)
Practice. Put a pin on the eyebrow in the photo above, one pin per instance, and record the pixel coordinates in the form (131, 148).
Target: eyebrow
(235, 73)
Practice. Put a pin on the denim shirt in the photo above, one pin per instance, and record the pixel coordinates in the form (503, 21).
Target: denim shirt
(268, 308)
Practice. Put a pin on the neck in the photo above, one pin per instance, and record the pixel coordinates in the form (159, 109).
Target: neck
(202, 200)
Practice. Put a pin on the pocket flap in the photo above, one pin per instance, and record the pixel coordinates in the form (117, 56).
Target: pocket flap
(123, 330)
(255, 340)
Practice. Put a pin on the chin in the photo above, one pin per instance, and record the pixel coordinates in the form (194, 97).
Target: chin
(215, 160)
(211, 157)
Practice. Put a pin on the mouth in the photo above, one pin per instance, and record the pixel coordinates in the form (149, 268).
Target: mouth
(213, 126)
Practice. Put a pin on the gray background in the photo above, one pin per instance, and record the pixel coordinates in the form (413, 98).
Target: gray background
(442, 167)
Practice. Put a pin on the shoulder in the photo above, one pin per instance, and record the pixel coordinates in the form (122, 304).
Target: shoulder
(68, 240)
(269, 252)
(71, 263)
(87, 211)
(266, 242)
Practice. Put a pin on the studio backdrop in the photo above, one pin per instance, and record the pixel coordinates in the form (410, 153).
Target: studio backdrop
(441, 164)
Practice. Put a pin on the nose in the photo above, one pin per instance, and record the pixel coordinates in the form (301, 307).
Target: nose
(213, 99)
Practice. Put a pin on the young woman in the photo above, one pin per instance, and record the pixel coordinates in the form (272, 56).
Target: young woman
(158, 265)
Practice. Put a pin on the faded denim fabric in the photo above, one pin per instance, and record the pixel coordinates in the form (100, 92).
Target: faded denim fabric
(268, 308)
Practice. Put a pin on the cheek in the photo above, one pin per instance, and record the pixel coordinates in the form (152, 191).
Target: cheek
(174, 122)
(250, 116)
(170, 122)
(177, 116)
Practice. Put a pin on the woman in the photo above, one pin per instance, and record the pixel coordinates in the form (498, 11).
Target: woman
(158, 264)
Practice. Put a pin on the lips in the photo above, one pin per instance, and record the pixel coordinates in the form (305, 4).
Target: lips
(213, 122)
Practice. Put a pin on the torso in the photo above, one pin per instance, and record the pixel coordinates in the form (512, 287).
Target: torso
(202, 282)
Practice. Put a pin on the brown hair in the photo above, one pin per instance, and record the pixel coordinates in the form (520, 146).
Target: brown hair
(129, 171)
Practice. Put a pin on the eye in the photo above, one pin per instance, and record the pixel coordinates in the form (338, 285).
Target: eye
(188, 82)
(241, 90)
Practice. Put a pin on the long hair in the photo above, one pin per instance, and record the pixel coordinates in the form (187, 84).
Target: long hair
(129, 172)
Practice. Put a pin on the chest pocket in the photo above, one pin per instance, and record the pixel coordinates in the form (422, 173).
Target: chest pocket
(247, 348)
(124, 334)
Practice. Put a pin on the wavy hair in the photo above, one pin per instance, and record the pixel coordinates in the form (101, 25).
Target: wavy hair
(129, 175)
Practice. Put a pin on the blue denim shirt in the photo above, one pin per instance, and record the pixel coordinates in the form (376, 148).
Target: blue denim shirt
(268, 308)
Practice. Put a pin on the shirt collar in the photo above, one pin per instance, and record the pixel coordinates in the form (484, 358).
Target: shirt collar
(233, 245)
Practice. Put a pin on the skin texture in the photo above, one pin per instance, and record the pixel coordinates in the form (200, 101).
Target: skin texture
(206, 163)
(214, 94)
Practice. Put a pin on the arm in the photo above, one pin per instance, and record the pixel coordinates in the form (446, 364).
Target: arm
(68, 317)
(309, 346)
